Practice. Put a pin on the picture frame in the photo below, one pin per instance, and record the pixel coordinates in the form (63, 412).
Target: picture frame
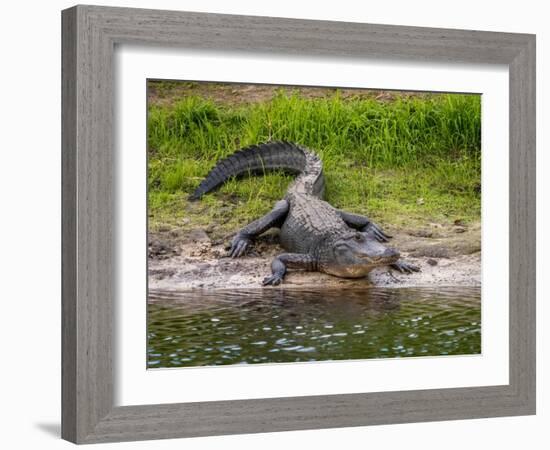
(89, 37)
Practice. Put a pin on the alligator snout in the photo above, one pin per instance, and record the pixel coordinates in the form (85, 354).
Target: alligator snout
(391, 253)
(388, 255)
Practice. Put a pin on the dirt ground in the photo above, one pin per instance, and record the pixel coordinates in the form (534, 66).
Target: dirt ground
(167, 93)
(447, 255)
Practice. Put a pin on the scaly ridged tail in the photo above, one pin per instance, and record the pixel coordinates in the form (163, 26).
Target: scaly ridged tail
(264, 157)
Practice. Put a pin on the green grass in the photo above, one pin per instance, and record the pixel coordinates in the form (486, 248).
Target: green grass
(407, 162)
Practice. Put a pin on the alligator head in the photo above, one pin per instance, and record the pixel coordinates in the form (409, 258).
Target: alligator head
(354, 255)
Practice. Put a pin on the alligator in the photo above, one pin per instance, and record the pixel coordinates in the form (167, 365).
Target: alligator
(316, 235)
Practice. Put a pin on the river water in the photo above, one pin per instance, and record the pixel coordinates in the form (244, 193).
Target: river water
(215, 327)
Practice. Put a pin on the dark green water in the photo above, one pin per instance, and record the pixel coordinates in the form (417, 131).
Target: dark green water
(200, 328)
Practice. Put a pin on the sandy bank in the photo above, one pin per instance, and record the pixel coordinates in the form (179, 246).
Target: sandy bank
(447, 255)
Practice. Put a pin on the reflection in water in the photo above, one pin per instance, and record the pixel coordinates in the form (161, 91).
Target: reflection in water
(198, 328)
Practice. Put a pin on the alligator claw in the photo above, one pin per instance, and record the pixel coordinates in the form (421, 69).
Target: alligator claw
(376, 232)
(239, 246)
(380, 236)
(273, 280)
(405, 267)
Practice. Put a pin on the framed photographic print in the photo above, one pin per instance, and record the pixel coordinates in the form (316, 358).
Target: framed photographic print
(280, 224)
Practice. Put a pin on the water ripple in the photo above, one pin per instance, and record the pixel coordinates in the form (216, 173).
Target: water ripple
(197, 328)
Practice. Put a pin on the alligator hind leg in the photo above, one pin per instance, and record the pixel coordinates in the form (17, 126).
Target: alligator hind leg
(286, 261)
(275, 218)
(364, 224)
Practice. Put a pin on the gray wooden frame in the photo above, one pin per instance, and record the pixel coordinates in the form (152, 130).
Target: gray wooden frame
(89, 36)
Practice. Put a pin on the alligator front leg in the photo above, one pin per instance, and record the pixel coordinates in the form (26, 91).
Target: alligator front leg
(364, 224)
(286, 261)
(404, 267)
(244, 238)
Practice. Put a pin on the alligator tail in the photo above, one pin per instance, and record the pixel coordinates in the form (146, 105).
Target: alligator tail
(258, 159)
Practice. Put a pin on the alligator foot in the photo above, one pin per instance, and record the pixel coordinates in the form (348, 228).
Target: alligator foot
(375, 231)
(281, 263)
(239, 245)
(405, 267)
(273, 280)
(364, 224)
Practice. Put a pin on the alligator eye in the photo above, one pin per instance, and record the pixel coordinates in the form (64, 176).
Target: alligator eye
(358, 237)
